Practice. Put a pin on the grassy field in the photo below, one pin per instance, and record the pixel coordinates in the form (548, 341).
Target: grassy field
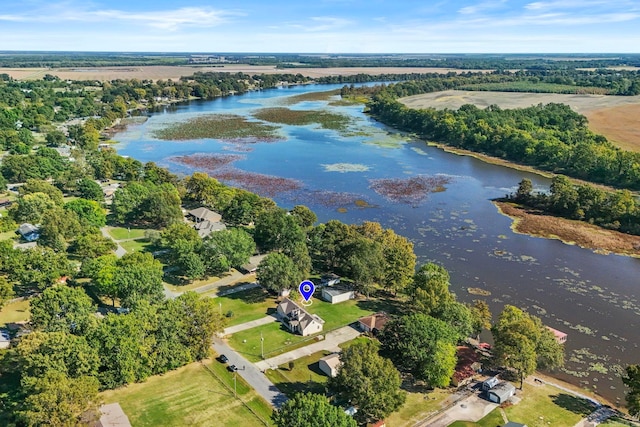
(544, 405)
(15, 312)
(191, 396)
(621, 125)
(493, 419)
(305, 376)
(278, 340)
(120, 233)
(454, 99)
(418, 406)
(135, 245)
(247, 305)
(536, 88)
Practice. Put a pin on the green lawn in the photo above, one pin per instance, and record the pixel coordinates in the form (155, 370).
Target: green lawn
(120, 233)
(247, 305)
(544, 405)
(135, 245)
(305, 376)
(493, 419)
(278, 340)
(190, 396)
(418, 406)
(15, 312)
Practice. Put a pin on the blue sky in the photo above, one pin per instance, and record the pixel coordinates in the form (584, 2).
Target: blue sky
(324, 26)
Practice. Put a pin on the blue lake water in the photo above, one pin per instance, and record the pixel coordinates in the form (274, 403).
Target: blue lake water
(590, 296)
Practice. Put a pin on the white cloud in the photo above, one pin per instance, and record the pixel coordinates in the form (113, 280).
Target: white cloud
(162, 19)
(481, 7)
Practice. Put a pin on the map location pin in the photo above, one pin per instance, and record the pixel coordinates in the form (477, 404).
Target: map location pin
(306, 289)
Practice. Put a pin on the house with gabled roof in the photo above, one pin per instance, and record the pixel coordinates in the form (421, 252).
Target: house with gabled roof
(297, 319)
(203, 214)
(373, 323)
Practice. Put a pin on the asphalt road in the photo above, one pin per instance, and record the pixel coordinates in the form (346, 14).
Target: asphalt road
(251, 374)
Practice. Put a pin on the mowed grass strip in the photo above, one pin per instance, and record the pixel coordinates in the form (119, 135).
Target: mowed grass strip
(419, 406)
(120, 233)
(218, 126)
(187, 396)
(544, 405)
(15, 312)
(287, 116)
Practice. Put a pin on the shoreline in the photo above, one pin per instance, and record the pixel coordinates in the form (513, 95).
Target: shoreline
(534, 223)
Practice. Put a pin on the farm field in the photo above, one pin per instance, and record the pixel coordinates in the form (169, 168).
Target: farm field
(192, 396)
(454, 99)
(174, 72)
(616, 117)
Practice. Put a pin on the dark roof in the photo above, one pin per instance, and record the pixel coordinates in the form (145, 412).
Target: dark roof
(503, 389)
(514, 424)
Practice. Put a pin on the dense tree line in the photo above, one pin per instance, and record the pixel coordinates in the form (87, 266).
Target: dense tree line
(615, 210)
(550, 137)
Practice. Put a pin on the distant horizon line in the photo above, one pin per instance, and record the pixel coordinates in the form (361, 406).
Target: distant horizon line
(576, 54)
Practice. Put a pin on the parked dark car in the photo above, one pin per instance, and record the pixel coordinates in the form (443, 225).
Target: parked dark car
(232, 368)
(222, 358)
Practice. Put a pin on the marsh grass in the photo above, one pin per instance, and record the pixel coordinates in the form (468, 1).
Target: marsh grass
(219, 126)
(312, 96)
(287, 116)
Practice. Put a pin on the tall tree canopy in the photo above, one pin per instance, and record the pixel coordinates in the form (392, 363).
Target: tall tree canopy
(368, 381)
(277, 272)
(631, 379)
(311, 410)
(423, 346)
(524, 344)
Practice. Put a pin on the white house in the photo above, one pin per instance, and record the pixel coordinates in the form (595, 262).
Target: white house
(297, 319)
(206, 221)
(336, 295)
(330, 364)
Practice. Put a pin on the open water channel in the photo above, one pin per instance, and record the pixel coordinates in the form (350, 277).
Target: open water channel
(592, 297)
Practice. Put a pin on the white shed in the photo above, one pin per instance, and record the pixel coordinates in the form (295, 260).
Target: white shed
(330, 364)
(337, 295)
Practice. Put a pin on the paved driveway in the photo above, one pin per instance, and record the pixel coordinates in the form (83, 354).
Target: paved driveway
(251, 374)
(471, 408)
(330, 342)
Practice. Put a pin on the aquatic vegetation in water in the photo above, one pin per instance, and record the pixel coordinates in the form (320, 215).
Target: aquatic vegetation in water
(412, 191)
(264, 185)
(226, 127)
(310, 96)
(325, 119)
(479, 291)
(345, 167)
(333, 199)
(208, 162)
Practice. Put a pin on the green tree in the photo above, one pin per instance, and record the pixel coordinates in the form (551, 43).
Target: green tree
(523, 343)
(91, 246)
(481, 317)
(304, 216)
(57, 227)
(311, 410)
(31, 207)
(63, 309)
(423, 346)
(56, 138)
(201, 320)
(90, 190)
(277, 272)
(430, 289)
(101, 271)
(365, 264)
(277, 230)
(631, 379)
(523, 194)
(138, 276)
(368, 381)
(6, 291)
(39, 268)
(88, 211)
(57, 400)
(235, 244)
(41, 186)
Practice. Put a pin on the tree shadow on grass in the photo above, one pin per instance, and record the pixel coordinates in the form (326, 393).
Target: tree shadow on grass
(388, 305)
(573, 404)
(250, 296)
(291, 388)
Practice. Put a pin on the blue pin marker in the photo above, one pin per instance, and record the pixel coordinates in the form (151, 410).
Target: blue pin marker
(306, 289)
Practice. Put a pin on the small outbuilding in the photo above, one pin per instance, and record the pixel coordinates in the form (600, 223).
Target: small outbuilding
(561, 337)
(490, 383)
(501, 392)
(5, 339)
(373, 323)
(514, 424)
(29, 232)
(329, 279)
(337, 295)
(330, 364)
